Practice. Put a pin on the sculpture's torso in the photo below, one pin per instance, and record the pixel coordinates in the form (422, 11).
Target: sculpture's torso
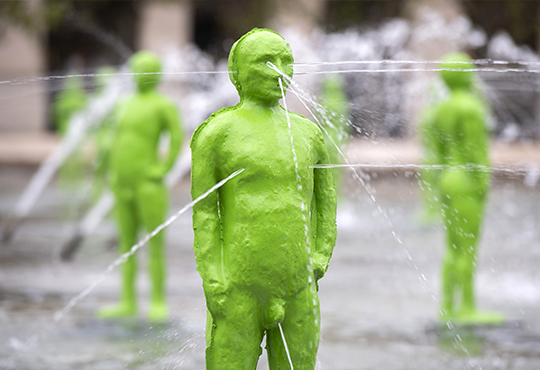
(263, 233)
(456, 119)
(135, 147)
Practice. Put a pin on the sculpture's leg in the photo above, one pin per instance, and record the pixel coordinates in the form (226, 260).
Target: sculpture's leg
(301, 328)
(462, 226)
(449, 279)
(152, 200)
(430, 206)
(127, 221)
(236, 333)
(463, 219)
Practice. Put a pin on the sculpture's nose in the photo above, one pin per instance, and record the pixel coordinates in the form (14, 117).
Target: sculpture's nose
(274, 312)
(277, 68)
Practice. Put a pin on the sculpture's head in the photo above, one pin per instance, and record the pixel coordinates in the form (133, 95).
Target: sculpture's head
(149, 66)
(250, 74)
(457, 79)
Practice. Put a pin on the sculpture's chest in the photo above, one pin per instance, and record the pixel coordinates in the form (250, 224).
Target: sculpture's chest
(140, 115)
(265, 147)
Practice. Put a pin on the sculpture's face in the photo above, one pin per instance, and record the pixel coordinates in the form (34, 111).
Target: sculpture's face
(149, 66)
(257, 80)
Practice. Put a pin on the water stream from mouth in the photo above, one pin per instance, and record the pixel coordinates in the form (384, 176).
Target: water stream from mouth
(305, 97)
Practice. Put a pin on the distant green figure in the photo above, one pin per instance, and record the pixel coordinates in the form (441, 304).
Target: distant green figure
(335, 120)
(136, 174)
(103, 134)
(431, 209)
(251, 235)
(70, 100)
(460, 143)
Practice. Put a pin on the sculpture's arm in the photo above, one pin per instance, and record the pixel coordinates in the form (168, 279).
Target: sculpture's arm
(431, 156)
(325, 207)
(475, 142)
(173, 124)
(206, 223)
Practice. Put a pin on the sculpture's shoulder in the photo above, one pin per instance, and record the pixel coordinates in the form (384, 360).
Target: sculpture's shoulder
(212, 127)
(463, 103)
(160, 102)
(306, 124)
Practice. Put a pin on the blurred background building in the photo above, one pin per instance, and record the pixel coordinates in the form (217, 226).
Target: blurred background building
(54, 37)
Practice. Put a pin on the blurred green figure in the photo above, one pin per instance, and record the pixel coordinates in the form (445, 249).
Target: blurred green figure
(71, 100)
(334, 119)
(103, 134)
(431, 208)
(136, 174)
(458, 140)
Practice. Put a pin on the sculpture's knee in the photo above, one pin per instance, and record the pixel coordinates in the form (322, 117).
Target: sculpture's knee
(274, 312)
(465, 267)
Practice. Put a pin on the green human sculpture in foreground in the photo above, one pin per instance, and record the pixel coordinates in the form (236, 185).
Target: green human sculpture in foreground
(136, 174)
(251, 235)
(460, 144)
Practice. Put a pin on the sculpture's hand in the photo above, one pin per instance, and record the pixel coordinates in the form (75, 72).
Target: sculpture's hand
(320, 265)
(156, 173)
(216, 294)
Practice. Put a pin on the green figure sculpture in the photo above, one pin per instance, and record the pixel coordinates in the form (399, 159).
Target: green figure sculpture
(136, 174)
(259, 269)
(335, 119)
(103, 135)
(431, 209)
(70, 101)
(460, 144)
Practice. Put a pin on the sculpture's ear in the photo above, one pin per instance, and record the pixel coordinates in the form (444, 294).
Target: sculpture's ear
(232, 64)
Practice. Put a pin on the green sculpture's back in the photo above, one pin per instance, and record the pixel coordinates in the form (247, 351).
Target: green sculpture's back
(460, 128)
(459, 142)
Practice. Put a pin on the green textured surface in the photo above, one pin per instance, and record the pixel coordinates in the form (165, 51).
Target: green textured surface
(136, 174)
(459, 140)
(250, 243)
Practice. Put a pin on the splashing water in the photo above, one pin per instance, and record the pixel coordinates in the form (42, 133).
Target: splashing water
(99, 211)
(59, 315)
(303, 96)
(96, 112)
(305, 213)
